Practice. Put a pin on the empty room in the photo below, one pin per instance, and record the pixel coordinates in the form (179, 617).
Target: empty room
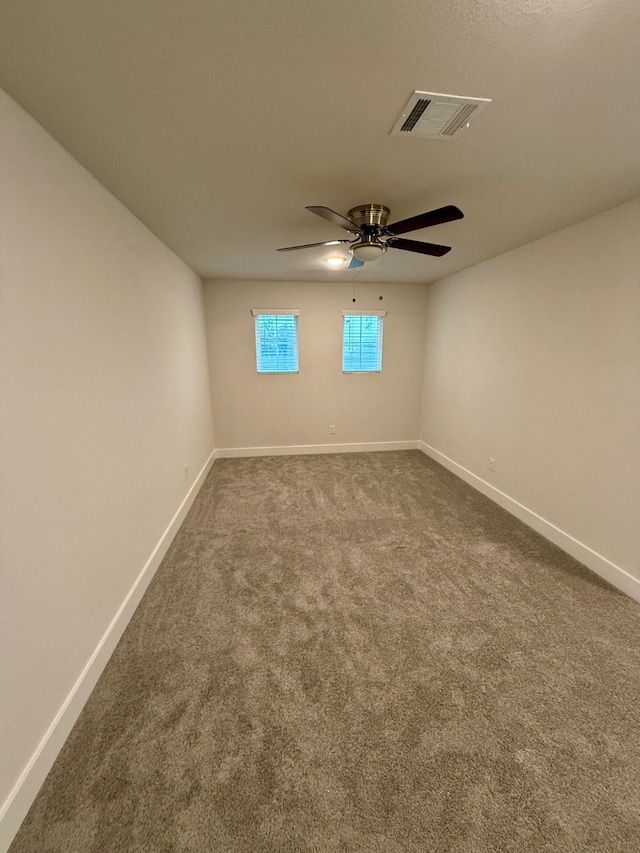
(319, 426)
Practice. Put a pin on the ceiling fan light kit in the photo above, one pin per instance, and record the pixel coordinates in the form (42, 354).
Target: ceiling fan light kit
(368, 249)
(368, 222)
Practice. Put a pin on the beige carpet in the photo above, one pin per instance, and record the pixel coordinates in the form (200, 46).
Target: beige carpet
(357, 653)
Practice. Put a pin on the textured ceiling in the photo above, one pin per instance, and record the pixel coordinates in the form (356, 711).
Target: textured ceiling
(217, 122)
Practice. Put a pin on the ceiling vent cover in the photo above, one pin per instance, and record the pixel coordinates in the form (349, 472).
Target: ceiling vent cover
(434, 116)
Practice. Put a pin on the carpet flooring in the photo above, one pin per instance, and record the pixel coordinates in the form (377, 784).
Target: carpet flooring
(350, 653)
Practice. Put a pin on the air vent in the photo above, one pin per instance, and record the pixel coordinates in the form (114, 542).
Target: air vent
(434, 116)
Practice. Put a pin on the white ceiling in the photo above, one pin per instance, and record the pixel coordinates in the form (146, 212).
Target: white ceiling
(217, 122)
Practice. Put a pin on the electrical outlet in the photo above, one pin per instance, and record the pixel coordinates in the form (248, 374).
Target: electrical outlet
(186, 472)
(332, 429)
(492, 463)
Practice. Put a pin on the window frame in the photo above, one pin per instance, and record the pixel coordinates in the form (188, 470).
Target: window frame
(277, 312)
(380, 314)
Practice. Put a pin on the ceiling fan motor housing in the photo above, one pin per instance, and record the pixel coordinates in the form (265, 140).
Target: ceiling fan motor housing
(367, 216)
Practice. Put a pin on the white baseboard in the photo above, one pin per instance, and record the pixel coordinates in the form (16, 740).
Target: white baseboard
(17, 804)
(612, 573)
(302, 449)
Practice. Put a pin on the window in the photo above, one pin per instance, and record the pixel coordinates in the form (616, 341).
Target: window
(362, 341)
(276, 340)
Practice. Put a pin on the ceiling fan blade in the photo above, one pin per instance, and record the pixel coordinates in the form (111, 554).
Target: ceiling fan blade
(425, 220)
(312, 245)
(355, 263)
(335, 218)
(417, 246)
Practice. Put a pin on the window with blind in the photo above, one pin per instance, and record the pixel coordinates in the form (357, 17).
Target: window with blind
(276, 340)
(362, 341)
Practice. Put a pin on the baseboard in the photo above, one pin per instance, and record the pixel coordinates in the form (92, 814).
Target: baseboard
(612, 573)
(301, 449)
(19, 801)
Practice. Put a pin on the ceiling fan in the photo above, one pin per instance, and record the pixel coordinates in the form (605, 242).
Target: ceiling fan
(372, 235)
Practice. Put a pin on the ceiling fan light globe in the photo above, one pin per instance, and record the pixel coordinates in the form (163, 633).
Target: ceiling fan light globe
(368, 251)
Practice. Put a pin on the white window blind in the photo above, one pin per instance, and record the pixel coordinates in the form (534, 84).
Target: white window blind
(362, 341)
(276, 340)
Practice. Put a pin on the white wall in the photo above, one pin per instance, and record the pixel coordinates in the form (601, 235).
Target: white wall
(285, 410)
(105, 399)
(533, 358)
